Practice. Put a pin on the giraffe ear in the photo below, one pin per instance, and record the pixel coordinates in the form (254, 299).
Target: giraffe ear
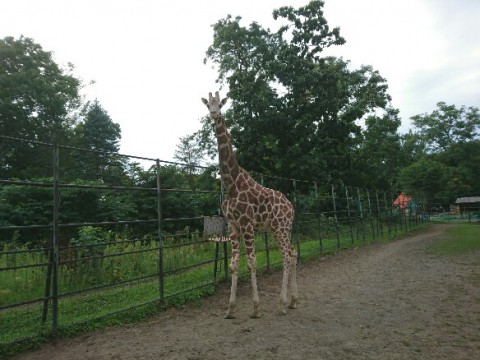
(224, 101)
(205, 101)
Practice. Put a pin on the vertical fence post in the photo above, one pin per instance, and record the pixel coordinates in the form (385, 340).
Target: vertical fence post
(410, 221)
(224, 233)
(408, 218)
(51, 251)
(56, 205)
(161, 278)
(297, 218)
(379, 221)
(319, 221)
(387, 211)
(225, 260)
(48, 283)
(225, 248)
(401, 213)
(265, 237)
(370, 215)
(215, 262)
(362, 220)
(392, 207)
(335, 216)
(349, 215)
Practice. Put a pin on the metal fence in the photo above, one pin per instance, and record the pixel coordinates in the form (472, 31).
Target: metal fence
(74, 251)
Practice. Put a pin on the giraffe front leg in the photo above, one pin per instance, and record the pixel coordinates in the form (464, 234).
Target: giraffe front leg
(288, 258)
(283, 292)
(233, 293)
(252, 267)
(293, 282)
(234, 269)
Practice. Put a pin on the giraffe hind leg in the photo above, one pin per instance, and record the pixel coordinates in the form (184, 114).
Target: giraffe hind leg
(249, 239)
(288, 282)
(293, 282)
(233, 231)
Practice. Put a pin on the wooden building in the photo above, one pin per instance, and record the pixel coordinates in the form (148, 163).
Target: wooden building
(469, 206)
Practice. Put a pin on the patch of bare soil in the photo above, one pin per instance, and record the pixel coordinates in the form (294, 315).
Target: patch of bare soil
(384, 301)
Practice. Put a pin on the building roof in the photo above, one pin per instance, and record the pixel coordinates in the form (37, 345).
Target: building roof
(402, 201)
(468, 200)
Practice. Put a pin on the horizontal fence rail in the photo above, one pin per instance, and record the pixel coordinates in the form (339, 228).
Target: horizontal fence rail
(74, 250)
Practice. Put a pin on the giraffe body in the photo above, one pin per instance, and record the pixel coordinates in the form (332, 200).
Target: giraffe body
(249, 206)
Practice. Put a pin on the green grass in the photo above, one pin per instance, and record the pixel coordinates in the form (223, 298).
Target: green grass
(461, 239)
(21, 328)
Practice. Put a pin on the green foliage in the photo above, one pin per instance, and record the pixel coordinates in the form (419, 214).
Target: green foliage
(37, 99)
(36, 94)
(21, 284)
(464, 161)
(294, 113)
(447, 126)
(184, 195)
(98, 133)
(189, 152)
(33, 205)
(444, 154)
(425, 180)
(380, 155)
(26, 205)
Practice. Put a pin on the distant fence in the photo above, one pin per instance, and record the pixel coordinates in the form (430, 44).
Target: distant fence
(58, 274)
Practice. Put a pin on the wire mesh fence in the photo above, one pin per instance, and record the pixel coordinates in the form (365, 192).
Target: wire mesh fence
(94, 235)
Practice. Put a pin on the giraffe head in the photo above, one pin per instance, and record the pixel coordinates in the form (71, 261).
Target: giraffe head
(214, 104)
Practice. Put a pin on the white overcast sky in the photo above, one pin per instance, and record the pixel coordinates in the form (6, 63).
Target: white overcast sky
(146, 56)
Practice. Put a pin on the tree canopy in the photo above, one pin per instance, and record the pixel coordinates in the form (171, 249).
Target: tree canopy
(448, 125)
(294, 112)
(444, 152)
(36, 94)
(37, 99)
(96, 132)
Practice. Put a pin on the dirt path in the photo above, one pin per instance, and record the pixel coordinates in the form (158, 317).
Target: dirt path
(384, 301)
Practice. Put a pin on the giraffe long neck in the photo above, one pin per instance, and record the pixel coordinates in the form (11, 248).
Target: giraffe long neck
(229, 168)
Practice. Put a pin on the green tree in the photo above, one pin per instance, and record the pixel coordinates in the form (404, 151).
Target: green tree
(178, 200)
(427, 180)
(37, 99)
(293, 112)
(413, 146)
(101, 136)
(464, 161)
(380, 156)
(444, 152)
(448, 125)
(190, 152)
(97, 131)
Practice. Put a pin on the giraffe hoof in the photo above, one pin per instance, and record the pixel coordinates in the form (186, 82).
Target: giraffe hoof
(229, 316)
(292, 306)
(254, 316)
(281, 312)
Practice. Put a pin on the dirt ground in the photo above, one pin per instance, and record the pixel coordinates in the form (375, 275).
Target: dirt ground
(384, 301)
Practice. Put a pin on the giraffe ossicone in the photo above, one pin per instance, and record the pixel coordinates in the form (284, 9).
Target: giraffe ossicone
(249, 206)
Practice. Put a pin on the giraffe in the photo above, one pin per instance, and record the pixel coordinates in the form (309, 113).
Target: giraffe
(249, 206)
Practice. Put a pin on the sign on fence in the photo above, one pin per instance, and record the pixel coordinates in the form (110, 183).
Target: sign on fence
(214, 228)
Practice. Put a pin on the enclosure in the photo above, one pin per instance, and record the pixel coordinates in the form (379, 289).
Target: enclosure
(82, 250)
